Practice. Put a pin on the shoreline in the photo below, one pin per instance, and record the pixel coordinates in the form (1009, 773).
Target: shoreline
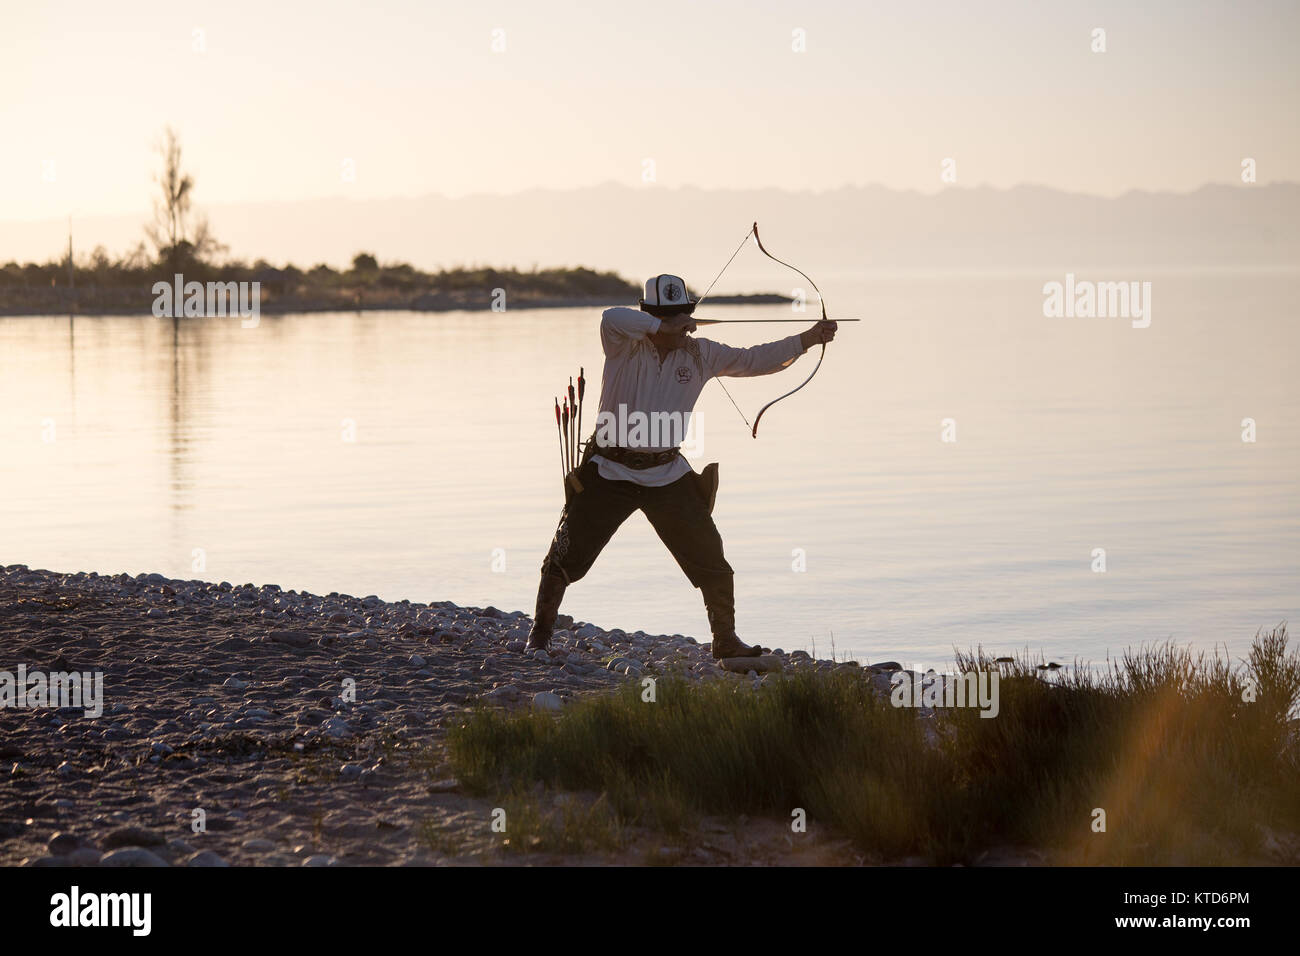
(231, 701)
(254, 726)
(430, 304)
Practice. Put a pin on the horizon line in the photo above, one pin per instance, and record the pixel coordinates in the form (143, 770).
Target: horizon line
(723, 190)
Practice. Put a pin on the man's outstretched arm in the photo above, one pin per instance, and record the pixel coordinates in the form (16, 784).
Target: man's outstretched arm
(767, 358)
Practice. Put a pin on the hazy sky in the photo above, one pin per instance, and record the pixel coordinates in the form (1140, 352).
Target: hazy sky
(282, 93)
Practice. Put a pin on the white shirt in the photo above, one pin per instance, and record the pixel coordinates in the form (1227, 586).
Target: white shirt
(635, 378)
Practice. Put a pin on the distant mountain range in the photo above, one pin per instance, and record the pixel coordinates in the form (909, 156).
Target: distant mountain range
(692, 231)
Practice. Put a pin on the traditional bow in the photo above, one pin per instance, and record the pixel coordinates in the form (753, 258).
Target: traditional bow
(753, 231)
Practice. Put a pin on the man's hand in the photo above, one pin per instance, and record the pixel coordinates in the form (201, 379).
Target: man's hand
(819, 334)
(677, 324)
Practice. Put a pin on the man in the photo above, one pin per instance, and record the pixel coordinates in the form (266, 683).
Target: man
(653, 367)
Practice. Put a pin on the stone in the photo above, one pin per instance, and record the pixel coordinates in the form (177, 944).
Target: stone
(337, 728)
(63, 843)
(206, 858)
(744, 665)
(882, 683)
(292, 638)
(134, 856)
(133, 836)
(545, 700)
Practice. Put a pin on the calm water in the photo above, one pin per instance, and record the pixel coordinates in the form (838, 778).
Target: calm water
(1072, 434)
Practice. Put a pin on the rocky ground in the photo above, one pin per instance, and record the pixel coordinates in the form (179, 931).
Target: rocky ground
(299, 729)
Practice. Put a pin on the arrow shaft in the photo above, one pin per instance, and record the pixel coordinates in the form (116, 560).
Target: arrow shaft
(582, 389)
(739, 321)
(560, 435)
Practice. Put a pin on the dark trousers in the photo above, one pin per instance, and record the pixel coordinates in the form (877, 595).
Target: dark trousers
(679, 513)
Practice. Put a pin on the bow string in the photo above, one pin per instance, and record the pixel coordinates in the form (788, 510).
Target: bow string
(753, 231)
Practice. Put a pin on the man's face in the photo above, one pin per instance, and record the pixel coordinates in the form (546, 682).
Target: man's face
(673, 330)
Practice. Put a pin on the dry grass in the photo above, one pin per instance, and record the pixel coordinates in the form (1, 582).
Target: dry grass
(1191, 758)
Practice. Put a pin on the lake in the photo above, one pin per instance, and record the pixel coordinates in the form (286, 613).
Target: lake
(202, 449)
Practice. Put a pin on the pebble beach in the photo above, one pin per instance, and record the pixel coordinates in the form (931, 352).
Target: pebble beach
(250, 725)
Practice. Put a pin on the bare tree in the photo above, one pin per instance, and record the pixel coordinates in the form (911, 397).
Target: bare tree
(177, 234)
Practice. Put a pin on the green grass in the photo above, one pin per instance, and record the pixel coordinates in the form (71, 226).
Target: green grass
(1161, 740)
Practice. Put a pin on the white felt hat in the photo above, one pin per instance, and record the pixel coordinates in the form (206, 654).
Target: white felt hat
(667, 292)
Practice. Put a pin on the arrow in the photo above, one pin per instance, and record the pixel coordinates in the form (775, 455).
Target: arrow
(582, 390)
(737, 321)
(568, 465)
(573, 423)
(560, 435)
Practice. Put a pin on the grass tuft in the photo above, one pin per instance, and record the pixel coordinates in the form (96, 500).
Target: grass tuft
(1191, 759)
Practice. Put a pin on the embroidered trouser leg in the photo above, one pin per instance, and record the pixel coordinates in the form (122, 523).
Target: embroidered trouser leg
(678, 512)
(589, 520)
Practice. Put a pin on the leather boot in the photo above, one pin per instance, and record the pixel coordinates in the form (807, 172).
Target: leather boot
(720, 603)
(549, 595)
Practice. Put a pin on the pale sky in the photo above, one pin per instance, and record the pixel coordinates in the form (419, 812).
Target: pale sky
(282, 93)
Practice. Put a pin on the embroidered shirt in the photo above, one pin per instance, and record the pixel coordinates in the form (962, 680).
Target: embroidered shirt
(665, 392)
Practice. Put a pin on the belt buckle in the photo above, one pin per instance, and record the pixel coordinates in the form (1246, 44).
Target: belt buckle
(638, 460)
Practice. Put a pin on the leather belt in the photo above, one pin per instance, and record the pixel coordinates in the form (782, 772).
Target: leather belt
(636, 458)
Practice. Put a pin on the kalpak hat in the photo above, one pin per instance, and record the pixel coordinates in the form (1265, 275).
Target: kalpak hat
(666, 295)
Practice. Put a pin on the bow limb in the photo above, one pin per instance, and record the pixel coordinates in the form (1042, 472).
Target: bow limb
(759, 417)
(753, 231)
(822, 302)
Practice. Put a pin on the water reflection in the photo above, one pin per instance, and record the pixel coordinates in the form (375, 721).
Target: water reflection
(180, 434)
